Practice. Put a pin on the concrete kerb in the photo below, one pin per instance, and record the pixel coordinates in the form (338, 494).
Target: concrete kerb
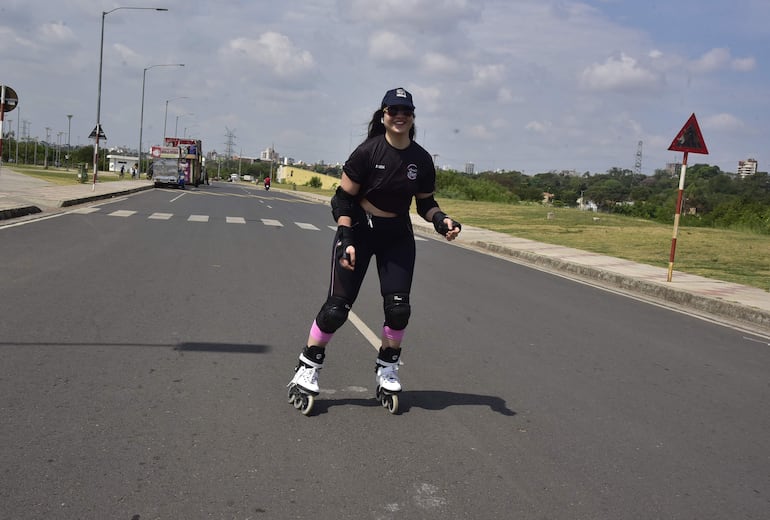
(18, 211)
(102, 196)
(748, 315)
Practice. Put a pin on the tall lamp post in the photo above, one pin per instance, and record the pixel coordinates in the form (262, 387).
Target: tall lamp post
(141, 116)
(69, 150)
(176, 124)
(165, 115)
(98, 129)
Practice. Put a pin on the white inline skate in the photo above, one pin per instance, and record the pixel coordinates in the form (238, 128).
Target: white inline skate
(303, 387)
(388, 385)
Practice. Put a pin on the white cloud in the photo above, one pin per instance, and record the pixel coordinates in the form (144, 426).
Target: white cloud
(481, 132)
(488, 75)
(56, 33)
(723, 122)
(438, 63)
(711, 61)
(272, 50)
(539, 127)
(744, 64)
(619, 74)
(388, 46)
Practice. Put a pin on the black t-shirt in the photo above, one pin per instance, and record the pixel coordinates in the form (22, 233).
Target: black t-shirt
(390, 177)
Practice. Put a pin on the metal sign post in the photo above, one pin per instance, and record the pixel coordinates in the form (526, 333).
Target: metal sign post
(8, 101)
(689, 139)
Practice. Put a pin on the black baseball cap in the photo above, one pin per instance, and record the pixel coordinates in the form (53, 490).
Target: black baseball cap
(397, 97)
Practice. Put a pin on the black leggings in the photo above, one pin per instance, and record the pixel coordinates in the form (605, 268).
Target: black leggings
(391, 240)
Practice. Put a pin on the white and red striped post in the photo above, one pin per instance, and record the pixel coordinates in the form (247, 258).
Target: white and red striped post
(677, 215)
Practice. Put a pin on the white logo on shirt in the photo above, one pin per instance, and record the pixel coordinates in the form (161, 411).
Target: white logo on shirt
(379, 166)
(411, 172)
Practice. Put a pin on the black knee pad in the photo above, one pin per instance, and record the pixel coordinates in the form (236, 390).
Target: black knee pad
(397, 310)
(332, 315)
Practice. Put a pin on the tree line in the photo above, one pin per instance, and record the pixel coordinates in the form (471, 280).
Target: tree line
(711, 198)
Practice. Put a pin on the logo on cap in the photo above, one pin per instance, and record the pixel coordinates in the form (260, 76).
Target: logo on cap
(400, 92)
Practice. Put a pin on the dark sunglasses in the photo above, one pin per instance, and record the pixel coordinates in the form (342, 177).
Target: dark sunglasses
(393, 111)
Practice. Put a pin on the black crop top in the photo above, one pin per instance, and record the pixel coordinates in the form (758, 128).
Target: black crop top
(390, 177)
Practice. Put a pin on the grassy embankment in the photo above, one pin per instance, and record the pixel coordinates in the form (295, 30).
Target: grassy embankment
(64, 176)
(719, 254)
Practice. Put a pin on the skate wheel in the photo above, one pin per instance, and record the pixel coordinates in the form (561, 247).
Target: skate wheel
(307, 402)
(392, 404)
(292, 395)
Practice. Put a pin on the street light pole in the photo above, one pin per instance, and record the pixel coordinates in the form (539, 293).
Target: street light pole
(69, 129)
(141, 116)
(176, 125)
(98, 129)
(165, 115)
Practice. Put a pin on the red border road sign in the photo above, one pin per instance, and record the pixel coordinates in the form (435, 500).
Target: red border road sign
(689, 138)
(11, 99)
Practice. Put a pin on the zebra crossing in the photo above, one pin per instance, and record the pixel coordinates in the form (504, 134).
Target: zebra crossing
(237, 220)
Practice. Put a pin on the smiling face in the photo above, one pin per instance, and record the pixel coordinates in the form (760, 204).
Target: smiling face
(398, 120)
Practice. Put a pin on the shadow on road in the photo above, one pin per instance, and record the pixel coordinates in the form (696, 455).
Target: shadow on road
(425, 399)
(224, 348)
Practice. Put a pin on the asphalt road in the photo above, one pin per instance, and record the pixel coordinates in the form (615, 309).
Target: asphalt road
(146, 346)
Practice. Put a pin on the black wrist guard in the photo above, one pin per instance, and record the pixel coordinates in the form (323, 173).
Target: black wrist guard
(343, 239)
(440, 225)
(342, 204)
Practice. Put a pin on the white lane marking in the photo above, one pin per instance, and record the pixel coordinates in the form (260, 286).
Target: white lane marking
(198, 218)
(367, 333)
(271, 222)
(235, 220)
(178, 197)
(161, 216)
(305, 225)
(85, 211)
(121, 213)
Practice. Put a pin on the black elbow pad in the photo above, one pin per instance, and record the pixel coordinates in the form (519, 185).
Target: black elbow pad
(343, 204)
(425, 205)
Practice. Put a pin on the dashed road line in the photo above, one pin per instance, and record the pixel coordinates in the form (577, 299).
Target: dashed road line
(305, 225)
(122, 213)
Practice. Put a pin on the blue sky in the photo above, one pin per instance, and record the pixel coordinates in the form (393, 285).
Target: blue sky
(528, 85)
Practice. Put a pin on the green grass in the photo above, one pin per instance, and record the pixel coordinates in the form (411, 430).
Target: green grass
(63, 176)
(730, 256)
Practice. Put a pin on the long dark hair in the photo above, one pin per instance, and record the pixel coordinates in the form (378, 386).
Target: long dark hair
(377, 127)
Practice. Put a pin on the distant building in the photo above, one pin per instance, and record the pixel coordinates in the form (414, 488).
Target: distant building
(470, 168)
(126, 161)
(674, 168)
(747, 167)
(270, 155)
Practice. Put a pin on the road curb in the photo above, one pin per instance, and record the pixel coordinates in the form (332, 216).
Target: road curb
(749, 315)
(20, 211)
(102, 196)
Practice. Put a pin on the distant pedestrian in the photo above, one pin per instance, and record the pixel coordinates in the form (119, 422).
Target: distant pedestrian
(122, 170)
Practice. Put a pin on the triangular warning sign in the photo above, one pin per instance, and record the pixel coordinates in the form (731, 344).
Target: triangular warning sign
(92, 135)
(689, 138)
